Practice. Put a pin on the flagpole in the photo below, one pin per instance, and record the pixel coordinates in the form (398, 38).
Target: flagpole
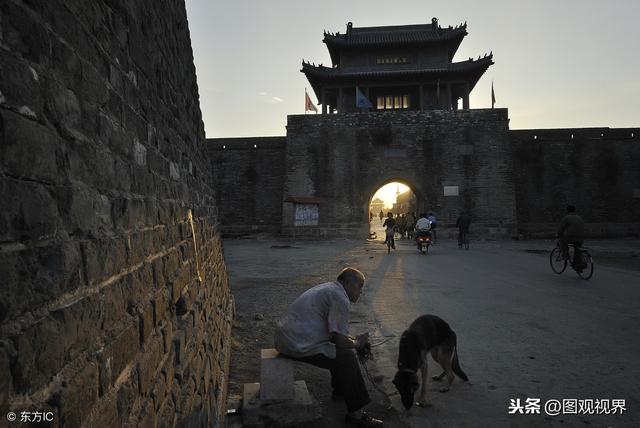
(493, 96)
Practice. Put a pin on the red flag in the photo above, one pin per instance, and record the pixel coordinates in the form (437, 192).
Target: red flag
(493, 96)
(308, 105)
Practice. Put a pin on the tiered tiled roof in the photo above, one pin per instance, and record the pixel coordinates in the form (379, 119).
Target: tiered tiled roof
(395, 35)
(472, 69)
(471, 65)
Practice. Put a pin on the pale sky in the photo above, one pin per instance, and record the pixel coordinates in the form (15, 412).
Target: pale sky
(558, 63)
(388, 193)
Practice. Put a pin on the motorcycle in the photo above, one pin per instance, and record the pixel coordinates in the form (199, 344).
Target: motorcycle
(423, 240)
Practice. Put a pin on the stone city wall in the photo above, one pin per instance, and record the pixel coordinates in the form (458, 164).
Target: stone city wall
(248, 176)
(114, 308)
(595, 169)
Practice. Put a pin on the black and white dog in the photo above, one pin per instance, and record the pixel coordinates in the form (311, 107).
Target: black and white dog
(428, 333)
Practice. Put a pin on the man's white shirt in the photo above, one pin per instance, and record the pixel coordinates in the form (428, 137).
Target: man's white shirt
(307, 326)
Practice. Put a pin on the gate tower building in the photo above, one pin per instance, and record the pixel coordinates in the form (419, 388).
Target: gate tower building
(402, 67)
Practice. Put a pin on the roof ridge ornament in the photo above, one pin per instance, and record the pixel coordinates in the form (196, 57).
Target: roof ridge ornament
(349, 28)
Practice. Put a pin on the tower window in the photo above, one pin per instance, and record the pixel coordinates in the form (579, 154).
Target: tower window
(392, 102)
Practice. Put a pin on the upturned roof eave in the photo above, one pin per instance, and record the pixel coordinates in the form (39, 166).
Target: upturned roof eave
(446, 36)
(336, 73)
(451, 37)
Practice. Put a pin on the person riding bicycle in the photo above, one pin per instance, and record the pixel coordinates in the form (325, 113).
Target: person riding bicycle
(462, 223)
(390, 224)
(571, 231)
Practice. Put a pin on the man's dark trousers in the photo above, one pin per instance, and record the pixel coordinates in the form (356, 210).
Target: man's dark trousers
(346, 378)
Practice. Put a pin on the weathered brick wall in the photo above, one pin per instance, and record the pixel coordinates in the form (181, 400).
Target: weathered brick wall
(343, 159)
(595, 169)
(248, 176)
(102, 163)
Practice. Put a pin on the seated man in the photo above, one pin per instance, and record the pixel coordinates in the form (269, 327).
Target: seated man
(315, 330)
(571, 231)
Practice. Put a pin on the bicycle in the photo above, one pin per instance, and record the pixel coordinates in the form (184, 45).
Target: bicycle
(559, 263)
(463, 239)
(389, 235)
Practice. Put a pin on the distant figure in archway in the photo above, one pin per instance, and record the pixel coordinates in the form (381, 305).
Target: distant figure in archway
(381, 215)
(401, 224)
(390, 224)
(434, 223)
(411, 223)
(463, 223)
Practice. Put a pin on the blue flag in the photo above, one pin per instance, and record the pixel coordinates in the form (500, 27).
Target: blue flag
(361, 100)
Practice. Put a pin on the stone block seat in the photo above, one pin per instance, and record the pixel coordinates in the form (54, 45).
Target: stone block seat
(277, 398)
(276, 376)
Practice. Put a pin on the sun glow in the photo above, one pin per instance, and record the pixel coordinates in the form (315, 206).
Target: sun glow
(388, 193)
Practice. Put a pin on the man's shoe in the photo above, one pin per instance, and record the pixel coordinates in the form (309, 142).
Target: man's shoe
(363, 421)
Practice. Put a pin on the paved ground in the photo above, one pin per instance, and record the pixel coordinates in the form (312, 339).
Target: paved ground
(523, 331)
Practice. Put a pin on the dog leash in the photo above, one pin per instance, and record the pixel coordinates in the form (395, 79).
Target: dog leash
(364, 355)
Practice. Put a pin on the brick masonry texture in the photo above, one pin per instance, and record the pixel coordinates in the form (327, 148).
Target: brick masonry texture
(513, 182)
(595, 169)
(109, 219)
(248, 176)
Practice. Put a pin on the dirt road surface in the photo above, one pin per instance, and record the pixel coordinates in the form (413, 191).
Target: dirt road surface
(524, 333)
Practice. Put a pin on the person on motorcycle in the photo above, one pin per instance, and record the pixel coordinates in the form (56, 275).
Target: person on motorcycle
(571, 231)
(423, 226)
(390, 224)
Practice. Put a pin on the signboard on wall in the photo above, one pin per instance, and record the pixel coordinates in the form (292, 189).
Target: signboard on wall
(306, 215)
(450, 190)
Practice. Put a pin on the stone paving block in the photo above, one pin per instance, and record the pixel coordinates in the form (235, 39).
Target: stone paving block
(251, 404)
(301, 409)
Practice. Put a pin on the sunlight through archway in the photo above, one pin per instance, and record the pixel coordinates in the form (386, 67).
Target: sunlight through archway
(394, 197)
